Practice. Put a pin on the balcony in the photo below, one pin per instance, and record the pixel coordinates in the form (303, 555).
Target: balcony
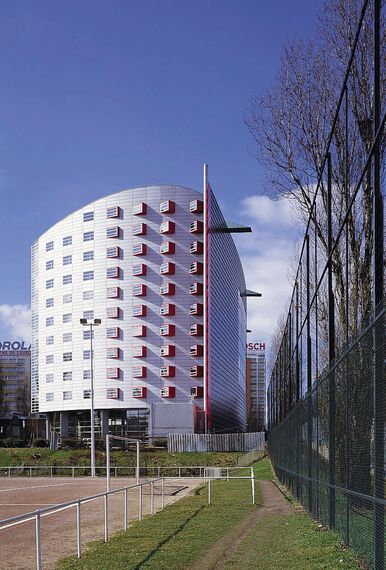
(196, 207)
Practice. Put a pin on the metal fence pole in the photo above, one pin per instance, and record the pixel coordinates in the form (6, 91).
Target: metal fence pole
(162, 493)
(253, 485)
(37, 541)
(209, 494)
(78, 538)
(106, 517)
(108, 462)
(125, 510)
(140, 503)
(378, 335)
(152, 498)
(331, 357)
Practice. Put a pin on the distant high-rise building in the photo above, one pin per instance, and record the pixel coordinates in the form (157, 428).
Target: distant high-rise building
(159, 267)
(15, 379)
(256, 386)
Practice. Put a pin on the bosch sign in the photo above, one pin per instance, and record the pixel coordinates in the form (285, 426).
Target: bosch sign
(14, 345)
(256, 346)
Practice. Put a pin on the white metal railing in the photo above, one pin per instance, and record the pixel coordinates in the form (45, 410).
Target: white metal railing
(117, 471)
(77, 503)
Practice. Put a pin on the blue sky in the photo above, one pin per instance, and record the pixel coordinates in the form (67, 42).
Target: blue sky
(98, 96)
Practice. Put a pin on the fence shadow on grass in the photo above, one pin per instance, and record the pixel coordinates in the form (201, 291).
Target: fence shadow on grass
(167, 539)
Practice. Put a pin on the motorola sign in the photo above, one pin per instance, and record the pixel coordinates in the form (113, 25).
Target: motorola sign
(14, 345)
(256, 346)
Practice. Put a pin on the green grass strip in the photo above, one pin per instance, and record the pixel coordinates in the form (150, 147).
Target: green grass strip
(176, 536)
(293, 542)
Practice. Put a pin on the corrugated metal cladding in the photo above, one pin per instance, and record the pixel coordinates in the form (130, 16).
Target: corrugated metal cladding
(227, 324)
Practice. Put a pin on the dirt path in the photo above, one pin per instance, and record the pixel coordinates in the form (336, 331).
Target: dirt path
(274, 503)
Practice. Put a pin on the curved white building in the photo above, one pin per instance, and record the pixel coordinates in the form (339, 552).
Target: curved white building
(166, 356)
(134, 260)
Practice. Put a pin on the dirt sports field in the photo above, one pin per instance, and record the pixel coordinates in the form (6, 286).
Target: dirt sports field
(20, 495)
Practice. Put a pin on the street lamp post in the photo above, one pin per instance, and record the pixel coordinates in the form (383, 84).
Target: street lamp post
(91, 324)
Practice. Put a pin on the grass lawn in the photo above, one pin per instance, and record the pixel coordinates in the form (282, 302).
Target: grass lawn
(179, 536)
(175, 537)
(292, 542)
(81, 457)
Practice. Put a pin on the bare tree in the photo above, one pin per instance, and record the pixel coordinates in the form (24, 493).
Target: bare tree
(291, 124)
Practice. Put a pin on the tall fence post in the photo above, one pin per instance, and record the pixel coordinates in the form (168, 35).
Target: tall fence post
(162, 493)
(209, 491)
(125, 510)
(331, 356)
(38, 541)
(378, 335)
(253, 485)
(106, 509)
(78, 536)
(140, 503)
(309, 376)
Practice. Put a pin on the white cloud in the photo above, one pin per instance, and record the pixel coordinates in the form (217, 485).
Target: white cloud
(266, 255)
(15, 322)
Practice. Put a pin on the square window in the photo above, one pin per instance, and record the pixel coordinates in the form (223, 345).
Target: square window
(67, 240)
(49, 397)
(167, 289)
(196, 288)
(113, 232)
(87, 374)
(139, 290)
(112, 352)
(167, 207)
(113, 332)
(139, 391)
(67, 337)
(49, 246)
(67, 376)
(113, 212)
(50, 264)
(167, 371)
(168, 350)
(67, 318)
(167, 309)
(87, 394)
(139, 331)
(49, 359)
(167, 227)
(168, 247)
(67, 279)
(197, 247)
(139, 229)
(88, 275)
(167, 392)
(139, 209)
(88, 255)
(167, 330)
(49, 321)
(112, 252)
(112, 272)
(67, 298)
(88, 314)
(113, 393)
(87, 354)
(49, 378)
(139, 270)
(88, 216)
(196, 227)
(112, 373)
(196, 268)
(50, 339)
(139, 351)
(167, 268)
(88, 295)
(88, 236)
(139, 249)
(49, 283)
(67, 260)
(139, 372)
(67, 356)
(139, 311)
(113, 292)
(112, 312)
(67, 395)
(196, 206)
(87, 335)
(49, 302)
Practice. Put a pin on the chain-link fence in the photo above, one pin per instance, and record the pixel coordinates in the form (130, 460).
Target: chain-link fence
(326, 397)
